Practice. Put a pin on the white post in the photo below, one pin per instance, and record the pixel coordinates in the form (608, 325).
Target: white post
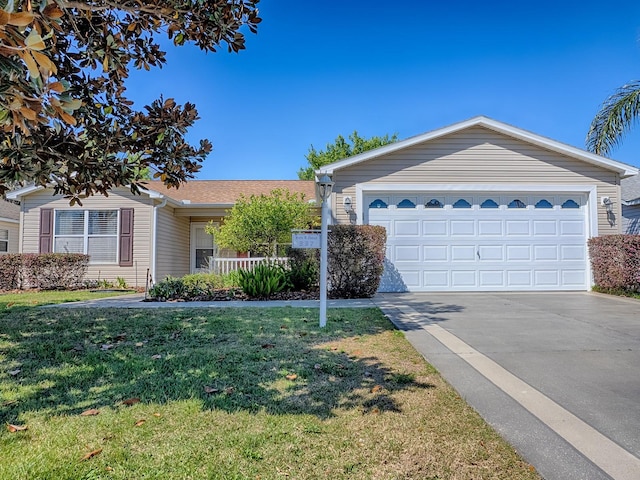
(323, 263)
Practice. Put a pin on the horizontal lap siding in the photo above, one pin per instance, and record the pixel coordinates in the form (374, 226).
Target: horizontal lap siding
(172, 244)
(478, 156)
(119, 198)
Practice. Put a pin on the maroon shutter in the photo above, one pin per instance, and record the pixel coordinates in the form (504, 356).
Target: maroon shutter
(126, 237)
(46, 230)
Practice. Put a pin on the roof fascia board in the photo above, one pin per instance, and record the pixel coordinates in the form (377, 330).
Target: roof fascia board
(21, 192)
(481, 121)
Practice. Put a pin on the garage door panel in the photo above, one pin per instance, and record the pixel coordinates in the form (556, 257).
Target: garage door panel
(490, 228)
(574, 278)
(465, 249)
(436, 278)
(544, 253)
(519, 278)
(463, 228)
(491, 278)
(517, 227)
(434, 227)
(572, 252)
(463, 253)
(463, 278)
(491, 253)
(405, 253)
(572, 228)
(436, 253)
(406, 228)
(547, 278)
(545, 227)
(518, 253)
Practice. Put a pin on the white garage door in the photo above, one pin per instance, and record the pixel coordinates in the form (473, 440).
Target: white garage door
(474, 242)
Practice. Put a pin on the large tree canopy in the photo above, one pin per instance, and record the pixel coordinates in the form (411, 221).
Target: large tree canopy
(339, 150)
(617, 115)
(64, 116)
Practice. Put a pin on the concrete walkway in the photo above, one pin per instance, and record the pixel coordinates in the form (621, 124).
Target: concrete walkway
(556, 374)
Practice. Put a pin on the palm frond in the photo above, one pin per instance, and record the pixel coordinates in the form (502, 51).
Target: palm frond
(617, 115)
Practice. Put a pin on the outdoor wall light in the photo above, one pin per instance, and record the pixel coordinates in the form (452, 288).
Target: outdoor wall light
(607, 203)
(348, 204)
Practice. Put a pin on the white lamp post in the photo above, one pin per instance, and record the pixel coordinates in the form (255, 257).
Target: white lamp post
(324, 189)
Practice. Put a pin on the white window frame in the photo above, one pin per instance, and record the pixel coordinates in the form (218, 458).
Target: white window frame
(85, 234)
(4, 240)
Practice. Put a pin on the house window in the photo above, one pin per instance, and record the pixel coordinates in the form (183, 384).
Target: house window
(4, 241)
(544, 204)
(488, 203)
(434, 203)
(406, 203)
(462, 203)
(92, 232)
(570, 204)
(517, 203)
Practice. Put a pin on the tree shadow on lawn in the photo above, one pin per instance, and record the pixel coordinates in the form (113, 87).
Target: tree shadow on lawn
(274, 360)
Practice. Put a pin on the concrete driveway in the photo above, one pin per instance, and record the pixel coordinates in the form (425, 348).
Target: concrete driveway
(557, 374)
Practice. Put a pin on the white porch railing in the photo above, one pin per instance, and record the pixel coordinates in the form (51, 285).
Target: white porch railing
(225, 265)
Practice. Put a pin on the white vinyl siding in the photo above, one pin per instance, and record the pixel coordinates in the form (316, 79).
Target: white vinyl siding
(119, 198)
(172, 244)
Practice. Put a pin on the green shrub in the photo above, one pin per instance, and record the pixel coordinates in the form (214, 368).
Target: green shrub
(355, 260)
(264, 280)
(304, 268)
(194, 286)
(171, 288)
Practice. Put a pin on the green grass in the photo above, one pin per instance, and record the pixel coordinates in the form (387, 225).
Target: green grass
(231, 394)
(616, 291)
(33, 299)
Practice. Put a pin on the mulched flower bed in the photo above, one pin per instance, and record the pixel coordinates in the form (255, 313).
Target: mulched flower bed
(233, 294)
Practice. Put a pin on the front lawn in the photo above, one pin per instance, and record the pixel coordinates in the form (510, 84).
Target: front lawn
(36, 298)
(231, 394)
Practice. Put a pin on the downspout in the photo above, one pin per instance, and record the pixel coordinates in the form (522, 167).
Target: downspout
(154, 239)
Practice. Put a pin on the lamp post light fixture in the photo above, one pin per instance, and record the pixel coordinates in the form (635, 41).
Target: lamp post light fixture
(325, 184)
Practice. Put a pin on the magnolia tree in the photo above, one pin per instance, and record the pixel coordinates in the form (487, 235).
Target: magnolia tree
(259, 223)
(64, 116)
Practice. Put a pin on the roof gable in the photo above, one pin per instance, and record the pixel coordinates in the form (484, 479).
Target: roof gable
(499, 127)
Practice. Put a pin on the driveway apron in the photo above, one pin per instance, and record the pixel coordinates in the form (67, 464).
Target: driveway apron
(557, 374)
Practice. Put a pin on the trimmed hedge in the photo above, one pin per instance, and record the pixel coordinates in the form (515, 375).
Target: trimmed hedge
(355, 260)
(615, 261)
(46, 271)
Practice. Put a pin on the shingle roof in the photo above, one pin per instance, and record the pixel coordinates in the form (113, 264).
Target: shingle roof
(9, 210)
(228, 191)
(630, 188)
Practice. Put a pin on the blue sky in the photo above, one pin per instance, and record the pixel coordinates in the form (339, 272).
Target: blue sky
(318, 69)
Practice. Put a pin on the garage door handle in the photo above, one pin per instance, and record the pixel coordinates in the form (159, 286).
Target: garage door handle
(478, 253)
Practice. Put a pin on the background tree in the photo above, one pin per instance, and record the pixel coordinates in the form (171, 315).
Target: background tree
(339, 150)
(64, 117)
(617, 115)
(259, 223)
